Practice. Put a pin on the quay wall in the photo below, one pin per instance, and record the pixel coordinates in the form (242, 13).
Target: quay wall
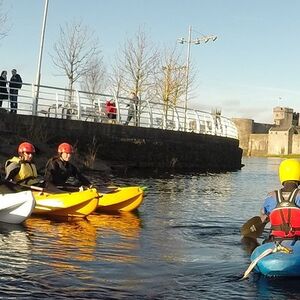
(129, 147)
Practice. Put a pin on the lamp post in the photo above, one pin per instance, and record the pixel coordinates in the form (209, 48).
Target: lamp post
(189, 41)
(38, 75)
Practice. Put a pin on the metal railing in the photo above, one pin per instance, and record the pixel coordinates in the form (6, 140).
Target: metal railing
(62, 103)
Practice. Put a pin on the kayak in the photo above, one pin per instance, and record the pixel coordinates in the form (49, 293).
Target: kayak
(278, 259)
(66, 204)
(121, 199)
(16, 207)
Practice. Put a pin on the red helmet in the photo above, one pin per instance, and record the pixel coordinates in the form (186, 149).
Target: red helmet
(65, 148)
(26, 147)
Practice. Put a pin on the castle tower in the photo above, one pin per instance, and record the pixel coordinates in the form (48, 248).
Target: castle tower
(283, 116)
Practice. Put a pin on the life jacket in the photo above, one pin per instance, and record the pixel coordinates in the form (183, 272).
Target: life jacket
(285, 218)
(27, 173)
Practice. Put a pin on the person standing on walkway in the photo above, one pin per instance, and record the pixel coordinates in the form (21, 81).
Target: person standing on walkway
(111, 110)
(133, 108)
(15, 85)
(3, 87)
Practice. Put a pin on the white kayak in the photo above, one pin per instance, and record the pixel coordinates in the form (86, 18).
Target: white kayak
(16, 207)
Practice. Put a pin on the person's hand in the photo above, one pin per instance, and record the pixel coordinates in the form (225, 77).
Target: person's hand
(81, 188)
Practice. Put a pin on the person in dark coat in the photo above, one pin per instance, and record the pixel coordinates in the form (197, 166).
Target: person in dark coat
(59, 170)
(15, 85)
(3, 87)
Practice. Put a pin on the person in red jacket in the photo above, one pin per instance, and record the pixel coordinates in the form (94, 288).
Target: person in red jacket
(111, 110)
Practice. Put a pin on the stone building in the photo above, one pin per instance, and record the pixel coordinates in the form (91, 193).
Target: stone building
(280, 138)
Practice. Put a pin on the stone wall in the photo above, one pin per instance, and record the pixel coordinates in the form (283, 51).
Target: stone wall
(296, 144)
(131, 147)
(280, 142)
(258, 144)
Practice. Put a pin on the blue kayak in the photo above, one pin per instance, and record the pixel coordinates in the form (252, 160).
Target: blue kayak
(284, 260)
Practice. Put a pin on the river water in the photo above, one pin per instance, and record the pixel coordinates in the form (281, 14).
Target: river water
(184, 243)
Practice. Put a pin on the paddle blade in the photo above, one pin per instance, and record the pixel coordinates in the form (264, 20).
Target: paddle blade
(253, 228)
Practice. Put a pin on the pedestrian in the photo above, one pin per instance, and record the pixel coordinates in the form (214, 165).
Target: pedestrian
(132, 108)
(15, 85)
(111, 110)
(282, 206)
(21, 169)
(59, 170)
(3, 87)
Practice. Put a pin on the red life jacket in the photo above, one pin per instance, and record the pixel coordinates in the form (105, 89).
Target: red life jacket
(285, 218)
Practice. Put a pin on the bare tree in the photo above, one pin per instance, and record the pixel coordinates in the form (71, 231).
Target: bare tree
(95, 79)
(171, 83)
(171, 80)
(74, 50)
(116, 81)
(4, 28)
(137, 63)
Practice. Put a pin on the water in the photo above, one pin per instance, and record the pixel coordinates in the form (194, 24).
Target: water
(183, 244)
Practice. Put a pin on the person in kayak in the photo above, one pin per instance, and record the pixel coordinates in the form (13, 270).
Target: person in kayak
(282, 207)
(59, 170)
(21, 169)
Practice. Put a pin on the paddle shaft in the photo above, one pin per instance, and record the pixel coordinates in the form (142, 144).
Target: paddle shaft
(31, 187)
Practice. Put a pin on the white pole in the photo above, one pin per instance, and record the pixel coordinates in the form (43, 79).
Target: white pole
(187, 75)
(38, 75)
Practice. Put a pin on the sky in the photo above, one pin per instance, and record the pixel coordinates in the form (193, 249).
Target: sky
(252, 67)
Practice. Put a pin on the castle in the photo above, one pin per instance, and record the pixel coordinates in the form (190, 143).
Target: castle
(280, 138)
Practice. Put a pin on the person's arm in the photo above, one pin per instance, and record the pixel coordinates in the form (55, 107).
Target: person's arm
(297, 200)
(11, 170)
(80, 177)
(268, 206)
(50, 171)
(20, 81)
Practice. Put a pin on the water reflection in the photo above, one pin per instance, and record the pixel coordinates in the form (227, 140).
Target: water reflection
(15, 250)
(65, 241)
(249, 244)
(118, 235)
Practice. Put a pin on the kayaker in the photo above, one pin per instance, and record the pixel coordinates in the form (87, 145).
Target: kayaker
(21, 169)
(282, 207)
(59, 170)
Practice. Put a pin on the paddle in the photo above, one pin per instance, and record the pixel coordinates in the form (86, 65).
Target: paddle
(10, 184)
(254, 227)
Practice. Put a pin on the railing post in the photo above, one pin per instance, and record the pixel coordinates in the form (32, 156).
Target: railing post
(78, 105)
(150, 114)
(118, 108)
(56, 105)
(34, 100)
(177, 118)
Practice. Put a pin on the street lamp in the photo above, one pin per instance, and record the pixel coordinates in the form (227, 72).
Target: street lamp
(38, 75)
(189, 41)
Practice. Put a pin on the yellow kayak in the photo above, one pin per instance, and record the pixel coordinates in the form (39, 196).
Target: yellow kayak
(121, 199)
(66, 204)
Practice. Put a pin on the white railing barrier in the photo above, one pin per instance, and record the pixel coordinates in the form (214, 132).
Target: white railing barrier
(56, 102)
